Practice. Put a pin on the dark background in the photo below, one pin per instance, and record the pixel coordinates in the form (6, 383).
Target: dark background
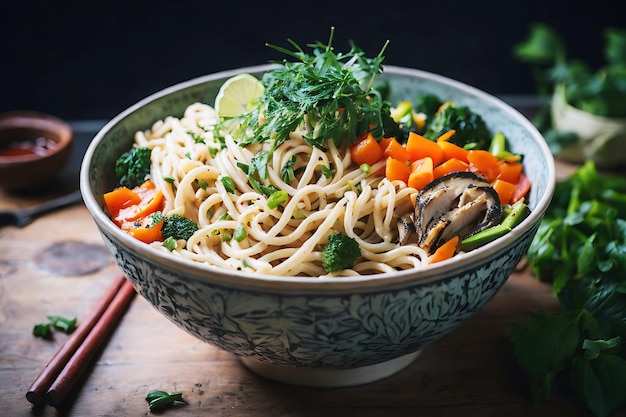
(92, 59)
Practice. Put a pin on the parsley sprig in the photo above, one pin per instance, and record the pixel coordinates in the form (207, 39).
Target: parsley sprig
(325, 94)
(581, 248)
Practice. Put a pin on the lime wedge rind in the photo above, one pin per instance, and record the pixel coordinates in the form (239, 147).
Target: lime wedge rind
(238, 95)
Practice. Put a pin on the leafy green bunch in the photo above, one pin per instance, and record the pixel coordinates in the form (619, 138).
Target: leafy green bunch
(325, 94)
(581, 248)
(600, 91)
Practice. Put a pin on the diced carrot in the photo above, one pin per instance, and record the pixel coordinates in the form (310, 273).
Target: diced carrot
(445, 251)
(119, 199)
(484, 162)
(394, 149)
(146, 232)
(396, 170)
(451, 165)
(522, 186)
(444, 105)
(509, 171)
(450, 150)
(384, 142)
(152, 200)
(421, 173)
(447, 135)
(504, 189)
(418, 147)
(366, 150)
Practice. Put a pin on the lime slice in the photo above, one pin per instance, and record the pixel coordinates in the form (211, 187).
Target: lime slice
(238, 95)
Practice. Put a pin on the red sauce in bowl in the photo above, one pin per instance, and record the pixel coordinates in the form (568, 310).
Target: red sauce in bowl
(40, 146)
(33, 148)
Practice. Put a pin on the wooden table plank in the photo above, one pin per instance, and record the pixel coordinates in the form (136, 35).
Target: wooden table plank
(471, 372)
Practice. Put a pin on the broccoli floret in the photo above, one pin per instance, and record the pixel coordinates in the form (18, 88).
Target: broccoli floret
(178, 227)
(132, 168)
(471, 130)
(428, 104)
(340, 252)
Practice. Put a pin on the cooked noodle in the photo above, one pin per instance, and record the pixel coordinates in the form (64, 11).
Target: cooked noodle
(287, 240)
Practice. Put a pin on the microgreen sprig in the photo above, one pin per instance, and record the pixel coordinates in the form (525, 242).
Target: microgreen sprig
(326, 95)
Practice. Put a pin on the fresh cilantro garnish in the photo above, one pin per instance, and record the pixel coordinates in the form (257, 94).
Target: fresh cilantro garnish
(197, 138)
(581, 247)
(286, 172)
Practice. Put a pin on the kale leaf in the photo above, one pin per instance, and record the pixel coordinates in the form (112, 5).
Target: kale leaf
(178, 227)
(132, 168)
(471, 129)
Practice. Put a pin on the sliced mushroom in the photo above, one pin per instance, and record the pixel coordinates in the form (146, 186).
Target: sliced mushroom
(406, 226)
(460, 203)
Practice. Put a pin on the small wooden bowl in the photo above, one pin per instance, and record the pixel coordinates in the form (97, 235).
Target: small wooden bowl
(34, 147)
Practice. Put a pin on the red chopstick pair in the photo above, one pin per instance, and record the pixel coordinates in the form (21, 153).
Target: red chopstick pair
(66, 366)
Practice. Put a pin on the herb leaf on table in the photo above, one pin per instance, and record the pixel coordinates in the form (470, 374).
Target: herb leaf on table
(581, 248)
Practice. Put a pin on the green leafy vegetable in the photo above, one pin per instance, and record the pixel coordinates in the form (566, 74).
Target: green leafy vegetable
(178, 227)
(340, 253)
(327, 95)
(161, 399)
(327, 172)
(44, 330)
(581, 248)
(599, 91)
(471, 130)
(286, 172)
(132, 168)
(197, 138)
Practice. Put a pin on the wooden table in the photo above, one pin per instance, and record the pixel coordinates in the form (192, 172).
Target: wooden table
(471, 372)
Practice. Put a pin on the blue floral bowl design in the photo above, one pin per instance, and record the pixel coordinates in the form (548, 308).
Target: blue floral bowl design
(319, 331)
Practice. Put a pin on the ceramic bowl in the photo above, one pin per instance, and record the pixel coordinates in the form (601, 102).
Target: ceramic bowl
(599, 139)
(327, 332)
(34, 147)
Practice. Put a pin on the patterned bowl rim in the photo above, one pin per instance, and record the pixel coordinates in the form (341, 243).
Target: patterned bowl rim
(288, 284)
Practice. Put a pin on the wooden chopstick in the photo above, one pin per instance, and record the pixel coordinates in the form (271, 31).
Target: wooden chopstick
(66, 366)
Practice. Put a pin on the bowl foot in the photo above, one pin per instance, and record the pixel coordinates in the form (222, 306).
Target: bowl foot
(329, 378)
